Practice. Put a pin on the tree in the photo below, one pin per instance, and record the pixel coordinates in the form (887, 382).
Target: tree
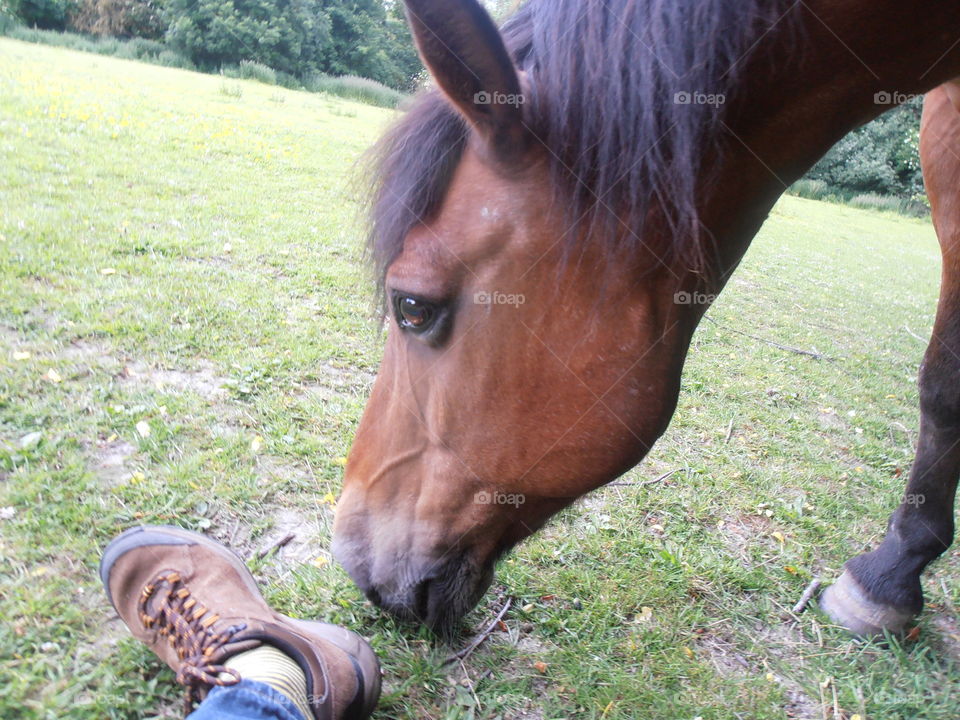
(119, 18)
(881, 157)
(287, 35)
(45, 14)
(370, 38)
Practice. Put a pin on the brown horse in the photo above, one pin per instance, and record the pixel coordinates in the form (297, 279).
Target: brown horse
(549, 226)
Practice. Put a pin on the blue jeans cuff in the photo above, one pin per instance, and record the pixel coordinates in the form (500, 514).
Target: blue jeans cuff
(247, 700)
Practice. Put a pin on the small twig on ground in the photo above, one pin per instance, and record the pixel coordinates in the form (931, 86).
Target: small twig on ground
(807, 596)
(644, 483)
(276, 546)
(470, 684)
(726, 440)
(788, 348)
(475, 643)
(912, 334)
(233, 533)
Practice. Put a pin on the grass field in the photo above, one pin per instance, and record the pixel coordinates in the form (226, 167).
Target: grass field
(186, 338)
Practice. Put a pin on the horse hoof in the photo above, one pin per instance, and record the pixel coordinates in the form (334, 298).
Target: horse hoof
(848, 606)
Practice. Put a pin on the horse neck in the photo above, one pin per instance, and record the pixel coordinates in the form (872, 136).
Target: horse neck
(791, 109)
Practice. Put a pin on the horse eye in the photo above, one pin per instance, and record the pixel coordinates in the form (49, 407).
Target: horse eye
(414, 314)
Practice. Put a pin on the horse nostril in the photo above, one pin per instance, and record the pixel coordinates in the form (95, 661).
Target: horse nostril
(421, 600)
(373, 595)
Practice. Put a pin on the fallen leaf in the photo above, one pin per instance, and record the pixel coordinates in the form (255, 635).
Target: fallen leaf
(329, 499)
(108, 271)
(503, 626)
(341, 461)
(21, 355)
(914, 634)
(7, 513)
(778, 536)
(143, 429)
(791, 569)
(688, 652)
(646, 614)
(53, 376)
(319, 562)
(541, 667)
(256, 444)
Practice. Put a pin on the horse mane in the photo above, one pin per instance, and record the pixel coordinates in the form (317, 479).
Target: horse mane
(606, 86)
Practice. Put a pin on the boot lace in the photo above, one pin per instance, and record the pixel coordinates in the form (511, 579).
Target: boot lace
(167, 605)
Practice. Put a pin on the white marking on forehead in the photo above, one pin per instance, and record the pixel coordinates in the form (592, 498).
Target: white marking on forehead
(489, 214)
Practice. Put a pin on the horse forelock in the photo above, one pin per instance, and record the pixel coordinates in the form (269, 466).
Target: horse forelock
(628, 97)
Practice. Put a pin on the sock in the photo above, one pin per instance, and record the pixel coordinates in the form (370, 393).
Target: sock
(268, 665)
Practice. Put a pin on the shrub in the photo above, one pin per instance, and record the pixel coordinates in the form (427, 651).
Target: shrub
(811, 189)
(872, 201)
(233, 90)
(145, 49)
(250, 70)
(291, 82)
(119, 18)
(355, 88)
(169, 58)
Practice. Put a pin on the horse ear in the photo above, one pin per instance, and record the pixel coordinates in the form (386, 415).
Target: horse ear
(463, 49)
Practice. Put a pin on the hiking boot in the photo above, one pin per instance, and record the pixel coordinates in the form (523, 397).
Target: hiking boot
(195, 604)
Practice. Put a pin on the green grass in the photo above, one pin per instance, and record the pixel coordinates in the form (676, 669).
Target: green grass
(156, 52)
(189, 258)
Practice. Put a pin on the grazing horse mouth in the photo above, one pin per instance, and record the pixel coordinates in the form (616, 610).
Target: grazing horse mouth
(438, 597)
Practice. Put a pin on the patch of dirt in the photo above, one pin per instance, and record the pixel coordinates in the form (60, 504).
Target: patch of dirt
(88, 351)
(202, 381)
(783, 641)
(830, 420)
(948, 630)
(779, 642)
(724, 655)
(272, 469)
(739, 534)
(310, 537)
(10, 338)
(110, 462)
(334, 382)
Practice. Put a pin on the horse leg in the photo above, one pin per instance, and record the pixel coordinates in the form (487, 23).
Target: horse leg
(880, 590)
